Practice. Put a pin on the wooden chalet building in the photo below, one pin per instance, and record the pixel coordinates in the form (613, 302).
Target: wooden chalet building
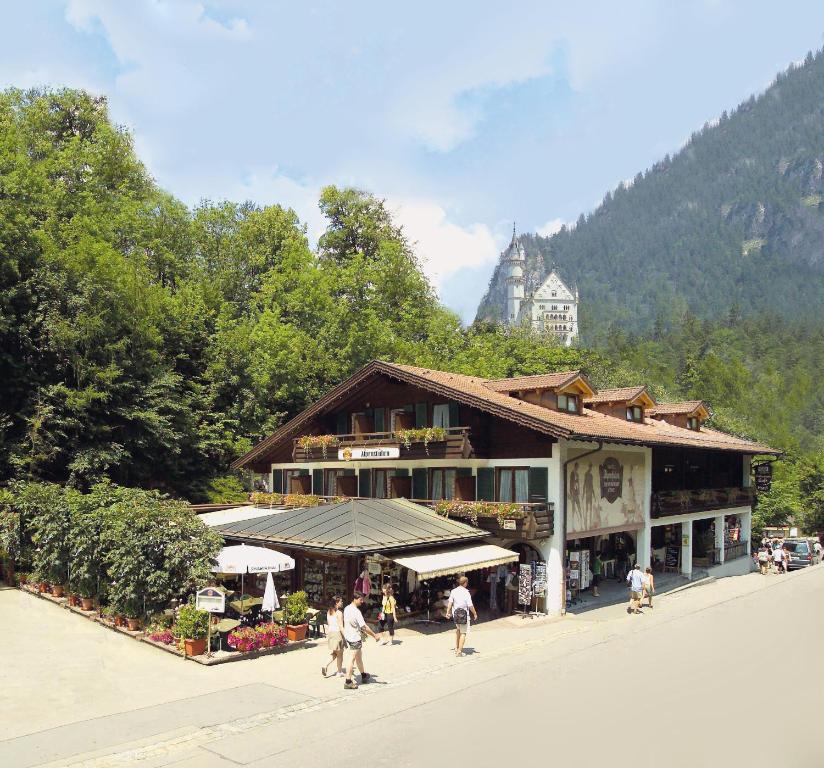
(572, 470)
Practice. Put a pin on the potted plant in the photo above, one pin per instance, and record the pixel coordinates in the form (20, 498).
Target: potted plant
(87, 603)
(192, 625)
(295, 613)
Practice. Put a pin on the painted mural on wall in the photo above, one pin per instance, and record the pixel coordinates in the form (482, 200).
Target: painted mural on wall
(605, 490)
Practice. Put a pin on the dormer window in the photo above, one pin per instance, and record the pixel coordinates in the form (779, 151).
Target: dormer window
(693, 423)
(635, 413)
(555, 293)
(568, 403)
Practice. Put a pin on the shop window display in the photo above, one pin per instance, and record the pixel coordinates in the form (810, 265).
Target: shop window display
(322, 578)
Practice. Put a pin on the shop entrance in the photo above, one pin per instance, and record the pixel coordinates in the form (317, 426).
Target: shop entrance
(598, 565)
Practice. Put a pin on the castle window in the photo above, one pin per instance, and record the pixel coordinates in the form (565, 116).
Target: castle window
(568, 403)
(543, 306)
(555, 293)
(566, 307)
(555, 306)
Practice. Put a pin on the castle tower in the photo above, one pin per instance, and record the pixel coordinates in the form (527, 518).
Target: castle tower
(514, 262)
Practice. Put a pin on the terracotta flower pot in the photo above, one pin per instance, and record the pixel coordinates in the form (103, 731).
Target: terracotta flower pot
(194, 647)
(42, 587)
(24, 578)
(133, 624)
(86, 603)
(296, 632)
(57, 590)
(119, 620)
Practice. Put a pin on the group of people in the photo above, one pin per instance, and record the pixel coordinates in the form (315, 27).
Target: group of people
(773, 554)
(641, 585)
(346, 628)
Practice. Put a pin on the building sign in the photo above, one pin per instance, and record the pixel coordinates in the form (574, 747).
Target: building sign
(380, 452)
(509, 525)
(763, 477)
(539, 587)
(211, 600)
(609, 494)
(612, 479)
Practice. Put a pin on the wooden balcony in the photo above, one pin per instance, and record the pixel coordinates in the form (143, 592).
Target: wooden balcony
(456, 446)
(666, 503)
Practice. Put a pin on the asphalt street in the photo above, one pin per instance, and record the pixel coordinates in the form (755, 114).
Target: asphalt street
(714, 675)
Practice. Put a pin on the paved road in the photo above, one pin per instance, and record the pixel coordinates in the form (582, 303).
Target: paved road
(673, 687)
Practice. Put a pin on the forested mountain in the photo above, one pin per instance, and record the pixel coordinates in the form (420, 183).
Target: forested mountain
(733, 220)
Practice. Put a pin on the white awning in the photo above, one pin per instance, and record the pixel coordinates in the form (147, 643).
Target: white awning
(235, 515)
(446, 562)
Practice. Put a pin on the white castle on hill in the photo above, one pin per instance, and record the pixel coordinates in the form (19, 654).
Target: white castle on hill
(552, 308)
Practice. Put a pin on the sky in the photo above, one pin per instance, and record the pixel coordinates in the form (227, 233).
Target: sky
(464, 116)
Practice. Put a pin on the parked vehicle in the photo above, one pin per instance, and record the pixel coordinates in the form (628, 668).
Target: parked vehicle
(802, 553)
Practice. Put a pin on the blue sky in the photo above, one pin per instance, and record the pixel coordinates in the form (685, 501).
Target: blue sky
(463, 115)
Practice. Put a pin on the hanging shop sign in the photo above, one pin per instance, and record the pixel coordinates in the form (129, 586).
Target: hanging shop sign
(525, 584)
(211, 600)
(763, 477)
(380, 452)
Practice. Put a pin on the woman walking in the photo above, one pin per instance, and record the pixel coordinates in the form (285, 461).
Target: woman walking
(649, 586)
(388, 616)
(334, 634)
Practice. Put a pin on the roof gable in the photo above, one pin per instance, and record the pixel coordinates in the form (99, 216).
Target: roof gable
(552, 283)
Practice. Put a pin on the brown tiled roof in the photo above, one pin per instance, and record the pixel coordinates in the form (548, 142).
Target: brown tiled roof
(683, 409)
(619, 395)
(479, 393)
(539, 381)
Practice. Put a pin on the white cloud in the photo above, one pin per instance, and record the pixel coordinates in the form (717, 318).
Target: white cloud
(443, 246)
(551, 227)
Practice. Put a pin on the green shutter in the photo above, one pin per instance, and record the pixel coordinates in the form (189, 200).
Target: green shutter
(380, 421)
(343, 423)
(317, 482)
(400, 472)
(421, 414)
(364, 483)
(538, 485)
(486, 484)
(463, 471)
(419, 477)
(348, 472)
(409, 408)
(454, 415)
(277, 481)
(303, 471)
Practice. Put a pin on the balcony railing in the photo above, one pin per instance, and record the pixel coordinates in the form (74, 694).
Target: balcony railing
(456, 445)
(665, 503)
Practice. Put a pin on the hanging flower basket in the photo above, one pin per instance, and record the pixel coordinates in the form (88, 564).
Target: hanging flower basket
(423, 435)
(472, 510)
(324, 442)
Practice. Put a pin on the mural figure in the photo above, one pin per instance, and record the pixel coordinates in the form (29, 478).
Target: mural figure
(589, 498)
(575, 498)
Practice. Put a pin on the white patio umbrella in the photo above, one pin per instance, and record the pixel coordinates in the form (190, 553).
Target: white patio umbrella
(270, 596)
(243, 559)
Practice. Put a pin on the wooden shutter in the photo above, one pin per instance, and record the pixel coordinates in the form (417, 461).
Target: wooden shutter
(454, 415)
(317, 482)
(421, 415)
(486, 484)
(343, 423)
(364, 483)
(419, 478)
(277, 481)
(538, 485)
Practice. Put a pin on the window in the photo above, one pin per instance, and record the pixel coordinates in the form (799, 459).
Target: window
(554, 293)
(542, 306)
(568, 403)
(330, 484)
(440, 416)
(566, 307)
(380, 483)
(288, 474)
(442, 483)
(554, 306)
(635, 413)
(692, 423)
(513, 484)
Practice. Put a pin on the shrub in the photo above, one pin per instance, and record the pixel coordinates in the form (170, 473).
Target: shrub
(192, 624)
(296, 607)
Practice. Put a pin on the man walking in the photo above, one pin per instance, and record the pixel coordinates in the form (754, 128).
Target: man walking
(459, 607)
(778, 559)
(353, 627)
(636, 589)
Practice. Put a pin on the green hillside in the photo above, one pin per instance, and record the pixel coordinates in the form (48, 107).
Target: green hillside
(734, 219)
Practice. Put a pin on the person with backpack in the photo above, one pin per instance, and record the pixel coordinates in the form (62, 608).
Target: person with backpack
(458, 608)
